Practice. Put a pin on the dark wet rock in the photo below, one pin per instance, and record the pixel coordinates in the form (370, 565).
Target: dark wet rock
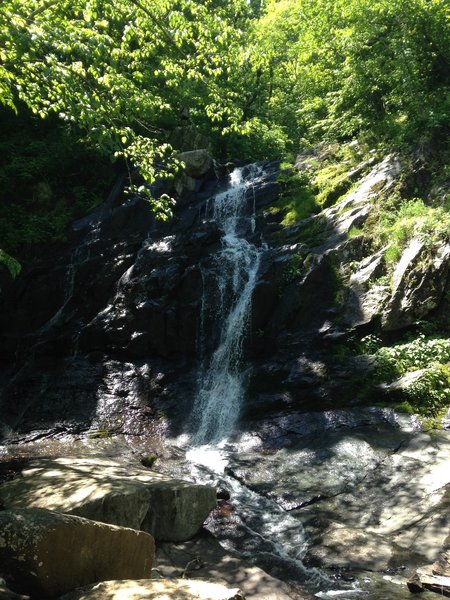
(46, 554)
(7, 594)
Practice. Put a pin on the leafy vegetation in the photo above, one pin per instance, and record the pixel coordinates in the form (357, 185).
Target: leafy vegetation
(258, 78)
(297, 199)
(400, 220)
(427, 394)
(47, 179)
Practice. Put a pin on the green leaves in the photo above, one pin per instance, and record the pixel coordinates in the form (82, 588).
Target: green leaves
(127, 66)
(256, 77)
(13, 266)
(355, 66)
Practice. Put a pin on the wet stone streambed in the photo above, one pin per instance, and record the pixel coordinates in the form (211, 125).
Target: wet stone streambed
(339, 504)
(342, 503)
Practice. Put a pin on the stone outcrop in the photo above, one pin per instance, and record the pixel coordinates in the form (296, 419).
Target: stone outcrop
(204, 558)
(435, 577)
(426, 578)
(104, 340)
(109, 492)
(418, 283)
(340, 546)
(196, 162)
(46, 554)
(156, 589)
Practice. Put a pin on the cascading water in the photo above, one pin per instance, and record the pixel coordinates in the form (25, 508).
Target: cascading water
(260, 530)
(228, 289)
(220, 388)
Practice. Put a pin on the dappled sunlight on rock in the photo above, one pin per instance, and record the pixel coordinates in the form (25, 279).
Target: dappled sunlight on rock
(107, 491)
(179, 589)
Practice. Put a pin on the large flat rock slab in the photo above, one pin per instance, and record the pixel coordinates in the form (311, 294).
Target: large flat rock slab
(156, 589)
(204, 558)
(104, 490)
(383, 482)
(46, 554)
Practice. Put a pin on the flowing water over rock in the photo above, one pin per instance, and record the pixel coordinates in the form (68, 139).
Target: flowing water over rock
(227, 294)
(113, 327)
(255, 527)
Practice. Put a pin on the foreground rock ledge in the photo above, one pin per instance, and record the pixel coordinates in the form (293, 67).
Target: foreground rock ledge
(46, 554)
(106, 491)
(156, 589)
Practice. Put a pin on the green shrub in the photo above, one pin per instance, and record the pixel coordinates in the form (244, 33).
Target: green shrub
(13, 266)
(430, 393)
(293, 270)
(419, 353)
(312, 233)
(47, 179)
(297, 200)
(400, 220)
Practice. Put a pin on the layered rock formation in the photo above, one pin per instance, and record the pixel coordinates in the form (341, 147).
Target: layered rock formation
(102, 342)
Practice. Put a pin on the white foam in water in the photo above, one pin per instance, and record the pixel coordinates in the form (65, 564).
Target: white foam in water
(211, 457)
(338, 593)
(220, 387)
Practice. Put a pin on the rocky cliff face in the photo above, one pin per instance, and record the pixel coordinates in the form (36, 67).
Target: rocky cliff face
(102, 334)
(101, 339)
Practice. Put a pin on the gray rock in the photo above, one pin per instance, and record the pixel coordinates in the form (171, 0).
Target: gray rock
(197, 162)
(204, 558)
(156, 589)
(402, 383)
(426, 579)
(356, 206)
(418, 283)
(46, 554)
(366, 298)
(106, 491)
(343, 546)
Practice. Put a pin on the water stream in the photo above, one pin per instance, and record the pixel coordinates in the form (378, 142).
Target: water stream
(258, 529)
(228, 293)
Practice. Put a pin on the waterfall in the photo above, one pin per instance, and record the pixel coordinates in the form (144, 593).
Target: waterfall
(220, 385)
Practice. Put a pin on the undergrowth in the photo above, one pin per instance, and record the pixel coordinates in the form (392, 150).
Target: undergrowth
(47, 179)
(427, 394)
(401, 220)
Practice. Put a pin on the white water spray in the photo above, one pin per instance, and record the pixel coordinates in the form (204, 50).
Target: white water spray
(220, 387)
(259, 529)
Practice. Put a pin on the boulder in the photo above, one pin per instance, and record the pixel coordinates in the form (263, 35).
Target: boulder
(106, 491)
(418, 283)
(46, 554)
(155, 589)
(442, 565)
(204, 558)
(366, 298)
(197, 162)
(426, 579)
(343, 546)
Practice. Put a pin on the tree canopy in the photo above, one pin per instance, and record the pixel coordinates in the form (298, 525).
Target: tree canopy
(259, 78)
(122, 71)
